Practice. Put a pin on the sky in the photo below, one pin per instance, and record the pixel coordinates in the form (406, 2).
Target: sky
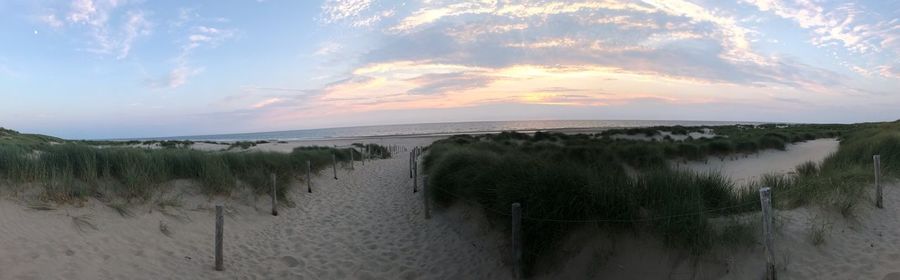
(91, 69)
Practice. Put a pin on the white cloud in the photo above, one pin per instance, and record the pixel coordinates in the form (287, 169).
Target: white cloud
(201, 35)
(175, 78)
(337, 10)
(105, 37)
(135, 27)
(328, 48)
(839, 24)
(84, 11)
(51, 20)
(357, 13)
(197, 36)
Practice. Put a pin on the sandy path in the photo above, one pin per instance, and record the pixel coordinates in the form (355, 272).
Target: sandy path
(367, 225)
(749, 168)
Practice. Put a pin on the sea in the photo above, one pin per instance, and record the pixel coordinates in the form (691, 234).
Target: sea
(430, 129)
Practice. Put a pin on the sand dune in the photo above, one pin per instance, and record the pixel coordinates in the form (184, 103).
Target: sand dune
(369, 225)
(366, 225)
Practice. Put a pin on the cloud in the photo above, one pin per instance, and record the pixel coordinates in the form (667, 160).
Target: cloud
(846, 26)
(328, 48)
(198, 36)
(135, 27)
(175, 78)
(354, 12)
(204, 35)
(889, 71)
(432, 84)
(85, 11)
(51, 20)
(106, 37)
(840, 24)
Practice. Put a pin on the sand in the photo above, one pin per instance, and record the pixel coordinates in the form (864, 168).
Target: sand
(865, 246)
(367, 225)
(749, 168)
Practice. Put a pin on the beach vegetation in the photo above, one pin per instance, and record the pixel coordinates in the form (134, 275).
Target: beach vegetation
(566, 181)
(70, 171)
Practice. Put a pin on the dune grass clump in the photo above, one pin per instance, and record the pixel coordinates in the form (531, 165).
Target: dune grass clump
(843, 180)
(562, 188)
(73, 171)
(566, 181)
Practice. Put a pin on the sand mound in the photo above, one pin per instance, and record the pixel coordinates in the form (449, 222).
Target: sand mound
(367, 225)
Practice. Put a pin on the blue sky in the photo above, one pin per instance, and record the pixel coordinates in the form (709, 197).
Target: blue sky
(120, 68)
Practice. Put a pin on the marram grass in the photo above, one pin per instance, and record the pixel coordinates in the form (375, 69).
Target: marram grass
(71, 171)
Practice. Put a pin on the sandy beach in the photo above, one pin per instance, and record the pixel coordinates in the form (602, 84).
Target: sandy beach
(367, 225)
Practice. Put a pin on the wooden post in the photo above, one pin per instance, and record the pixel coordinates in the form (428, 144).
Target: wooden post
(878, 190)
(308, 176)
(334, 165)
(425, 197)
(415, 178)
(351, 158)
(410, 164)
(765, 198)
(220, 225)
(274, 196)
(517, 240)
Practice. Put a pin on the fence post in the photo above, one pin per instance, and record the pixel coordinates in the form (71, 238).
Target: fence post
(517, 240)
(274, 196)
(334, 165)
(351, 158)
(879, 201)
(410, 164)
(765, 199)
(425, 196)
(415, 177)
(308, 177)
(220, 225)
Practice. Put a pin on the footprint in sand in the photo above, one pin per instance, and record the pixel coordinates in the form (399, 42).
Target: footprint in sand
(892, 276)
(290, 261)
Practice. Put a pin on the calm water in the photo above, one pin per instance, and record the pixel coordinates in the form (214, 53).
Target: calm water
(434, 129)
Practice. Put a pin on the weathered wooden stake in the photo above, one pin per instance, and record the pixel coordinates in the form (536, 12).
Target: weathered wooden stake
(220, 225)
(517, 240)
(334, 165)
(878, 191)
(274, 196)
(765, 198)
(308, 176)
(415, 178)
(351, 158)
(425, 197)
(410, 165)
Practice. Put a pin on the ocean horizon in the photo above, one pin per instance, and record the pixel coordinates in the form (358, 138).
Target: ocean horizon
(434, 129)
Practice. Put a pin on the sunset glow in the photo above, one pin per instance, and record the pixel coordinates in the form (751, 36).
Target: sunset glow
(104, 68)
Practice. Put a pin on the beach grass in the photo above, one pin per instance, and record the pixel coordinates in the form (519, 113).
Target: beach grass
(72, 170)
(566, 181)
(564, 187)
